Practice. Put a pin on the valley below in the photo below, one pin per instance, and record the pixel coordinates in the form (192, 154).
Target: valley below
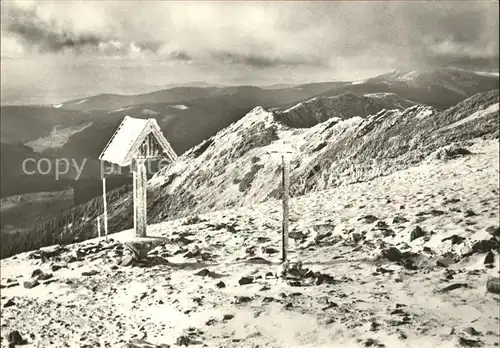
(19, 213)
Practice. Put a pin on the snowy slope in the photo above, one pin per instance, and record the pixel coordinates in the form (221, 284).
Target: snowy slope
(190, 290)
(234, 168)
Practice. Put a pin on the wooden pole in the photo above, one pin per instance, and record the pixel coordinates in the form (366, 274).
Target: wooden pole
(143, 217)
(286, 187)
(105, 207)
(99, 226)
(134, 182)
(140, 191)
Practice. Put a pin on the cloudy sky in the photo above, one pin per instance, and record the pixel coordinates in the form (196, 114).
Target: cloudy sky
(55, 50)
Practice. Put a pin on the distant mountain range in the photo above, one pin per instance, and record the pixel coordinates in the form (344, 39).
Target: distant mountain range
(79, 129)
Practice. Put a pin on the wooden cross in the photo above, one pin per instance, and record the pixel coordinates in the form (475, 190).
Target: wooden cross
(140, 196)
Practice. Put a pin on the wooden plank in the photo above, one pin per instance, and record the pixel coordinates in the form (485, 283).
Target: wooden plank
(105, 207)
(286, 189)
(134, 190)
(140, 206)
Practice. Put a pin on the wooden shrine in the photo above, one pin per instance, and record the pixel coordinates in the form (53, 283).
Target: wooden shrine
(135, 142)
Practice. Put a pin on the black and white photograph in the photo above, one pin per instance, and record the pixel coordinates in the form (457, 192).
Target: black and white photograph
(249, 174)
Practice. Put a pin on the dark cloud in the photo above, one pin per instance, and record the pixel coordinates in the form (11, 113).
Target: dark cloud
(262, 61)
(43, 36)
(49, 36)
(460, 62)
(417, 33)
(180, 55)
(341, 36)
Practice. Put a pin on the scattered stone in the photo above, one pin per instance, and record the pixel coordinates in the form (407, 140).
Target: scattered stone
(329, 305)
(493, 285)
(433, 212)
(370, 342)
(494, 231)
(402, 335)
(368, 218)
(295, 283)
(210, 322)
(29, 284)
(9, 303)
(449, 274)
(471, 331)
(451, 201)
(140, 343)
(127, 260)
(246, 280)
(392, 254)
(324, 278)
(436, 212)
(374, 326)
(263, 239)
(220, 285)
(485, 245)
(383, 270)
(296, 270)
(228, 317)
(250, 251)
(426, 249)
(15, 338)
(399, 219)
(322, 236)
(454, 239)
(454, 286)
(356, 237)
(90, 273)
(51, 251)
(139, 249)
(55, 268)
(417, 232)
(194, 251)
(445, 261)
(381, 225)
(36, 273)
(69, 259)
(469, 213)
(258, 261)
(489, 258)
(298, 236)
(242, 299)
(44, 276)
(465, 251)
(207, 256)
(465, 342)
(270, 250)
(203, 273)
(184, 340)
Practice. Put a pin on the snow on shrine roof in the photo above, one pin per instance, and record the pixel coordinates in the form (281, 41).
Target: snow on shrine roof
(129, 136)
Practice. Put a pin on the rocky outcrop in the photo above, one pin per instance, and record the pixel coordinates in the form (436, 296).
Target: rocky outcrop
(317, 110)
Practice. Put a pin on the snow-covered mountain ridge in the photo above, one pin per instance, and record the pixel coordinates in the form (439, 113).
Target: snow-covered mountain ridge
(238, 166)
